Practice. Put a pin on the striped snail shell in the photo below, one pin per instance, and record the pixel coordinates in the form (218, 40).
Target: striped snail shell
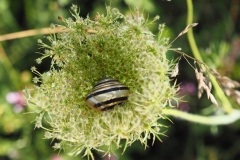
(106, 94)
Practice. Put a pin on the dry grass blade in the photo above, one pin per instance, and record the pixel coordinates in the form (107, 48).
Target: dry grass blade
(91, 31)
(31, 32)
(204, 85)
(185, 31)
(175, 70)
(34, 32)
(228, 85)
(187, 28)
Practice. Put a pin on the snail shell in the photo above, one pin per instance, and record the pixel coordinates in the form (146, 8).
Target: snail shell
(106, 94)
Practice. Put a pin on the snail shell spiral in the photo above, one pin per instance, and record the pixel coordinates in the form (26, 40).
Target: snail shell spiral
(106, 94)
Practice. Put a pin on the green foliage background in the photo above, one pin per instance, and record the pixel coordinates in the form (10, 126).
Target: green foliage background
(217, 36)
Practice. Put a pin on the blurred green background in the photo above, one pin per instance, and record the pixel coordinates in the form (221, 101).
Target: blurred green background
(217, 36)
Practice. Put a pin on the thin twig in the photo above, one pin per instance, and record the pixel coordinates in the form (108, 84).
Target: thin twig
(31, 32)
(34, 32)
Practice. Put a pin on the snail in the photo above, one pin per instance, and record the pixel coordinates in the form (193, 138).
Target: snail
(106, 94)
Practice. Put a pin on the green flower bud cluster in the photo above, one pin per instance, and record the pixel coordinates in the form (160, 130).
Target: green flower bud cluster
(108, 46)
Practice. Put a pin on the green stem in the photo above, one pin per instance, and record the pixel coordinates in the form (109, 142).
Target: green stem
(207, 120)
(190, 36)
(219, 93)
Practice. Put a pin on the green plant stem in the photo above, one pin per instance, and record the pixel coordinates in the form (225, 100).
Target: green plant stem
(207, 120)
(190, 36)
(219, 93)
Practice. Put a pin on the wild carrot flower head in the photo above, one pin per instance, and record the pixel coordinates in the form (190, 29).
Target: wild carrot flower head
(111, 45)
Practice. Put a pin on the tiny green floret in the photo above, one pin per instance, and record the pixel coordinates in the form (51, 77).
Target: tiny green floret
(107, 46)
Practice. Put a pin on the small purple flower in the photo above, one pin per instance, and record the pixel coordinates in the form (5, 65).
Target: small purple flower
(16, 98)
(187, 88)
(183, 106)
(56, 157)
(110, 157)
(18, 108)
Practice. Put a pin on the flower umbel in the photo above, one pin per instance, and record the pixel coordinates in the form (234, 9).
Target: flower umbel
(89, 51)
